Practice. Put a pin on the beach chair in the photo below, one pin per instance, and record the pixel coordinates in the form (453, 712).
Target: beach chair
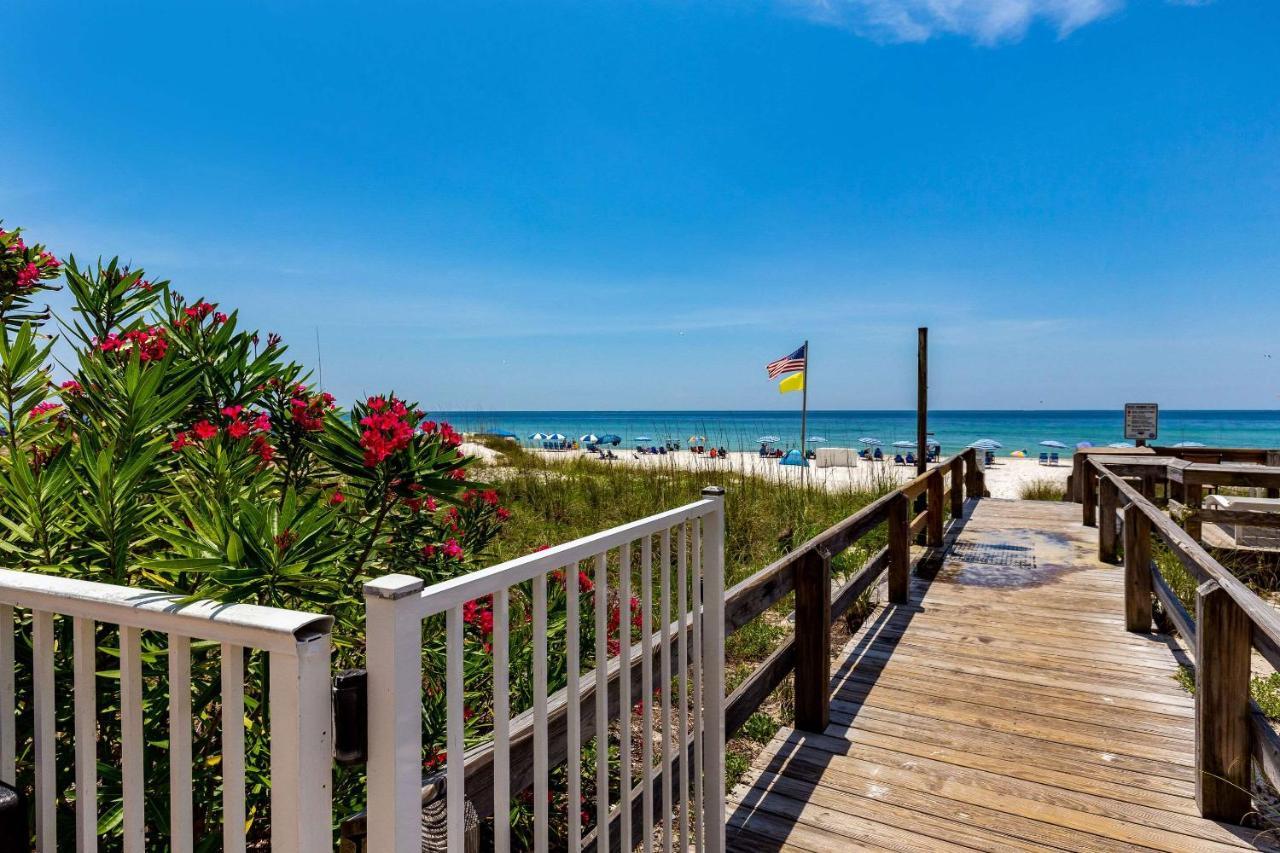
(911, 459)
(878, 456)
(1044, 458)
(898, 460)
(1053, 459)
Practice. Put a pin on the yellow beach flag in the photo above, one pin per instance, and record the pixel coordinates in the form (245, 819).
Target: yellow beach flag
(794, 382)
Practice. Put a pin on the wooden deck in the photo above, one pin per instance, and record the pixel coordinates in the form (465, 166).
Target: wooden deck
(1004, 708)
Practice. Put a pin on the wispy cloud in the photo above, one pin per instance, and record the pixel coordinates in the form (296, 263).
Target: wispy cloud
(987, 22)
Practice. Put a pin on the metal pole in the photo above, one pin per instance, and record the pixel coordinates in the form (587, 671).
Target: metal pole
(804, 407)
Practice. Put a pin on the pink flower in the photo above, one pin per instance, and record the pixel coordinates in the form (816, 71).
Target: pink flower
(336, 498)
(238, 429)
(452, 549)
(503, 513)
(179, 442)
(233, 411)
(204, 430)
(71, 387)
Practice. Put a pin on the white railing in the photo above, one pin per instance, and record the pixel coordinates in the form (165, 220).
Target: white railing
(300, 718)
(690, 630)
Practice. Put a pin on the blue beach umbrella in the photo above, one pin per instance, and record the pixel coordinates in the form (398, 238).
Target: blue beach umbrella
(538, 436)
(768, 439)
(1081, 445)
(610, 438)
(643, 438)
(1189, 444)
(870, 441)
(987, 444)
(815, 439)
(1120, 444)
(904, 444)
(1056, 445)
(555, 436)
(589, 438)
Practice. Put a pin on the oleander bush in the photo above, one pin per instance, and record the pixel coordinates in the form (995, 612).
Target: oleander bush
(173, 449)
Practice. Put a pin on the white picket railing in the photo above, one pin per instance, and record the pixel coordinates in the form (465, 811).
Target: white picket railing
(692, 804)
(299, 697)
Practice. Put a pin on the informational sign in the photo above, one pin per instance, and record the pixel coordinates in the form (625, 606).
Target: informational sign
(1141, 421)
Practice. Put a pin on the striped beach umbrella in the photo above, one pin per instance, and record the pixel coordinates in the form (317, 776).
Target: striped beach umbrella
(870, 441)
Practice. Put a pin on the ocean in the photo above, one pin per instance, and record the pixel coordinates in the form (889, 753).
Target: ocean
(738, 430)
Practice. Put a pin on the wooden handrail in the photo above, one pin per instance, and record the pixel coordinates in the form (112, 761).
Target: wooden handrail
(1230, 620)
(744, 602)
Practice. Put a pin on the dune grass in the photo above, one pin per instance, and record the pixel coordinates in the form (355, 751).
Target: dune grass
(1043, 489)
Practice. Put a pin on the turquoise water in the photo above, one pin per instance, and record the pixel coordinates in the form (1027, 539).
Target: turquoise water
(737, 430)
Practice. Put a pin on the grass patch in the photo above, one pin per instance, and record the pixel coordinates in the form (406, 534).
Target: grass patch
(1043, 489)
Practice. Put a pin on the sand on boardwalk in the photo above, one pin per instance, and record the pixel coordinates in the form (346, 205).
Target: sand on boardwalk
(1005, 478)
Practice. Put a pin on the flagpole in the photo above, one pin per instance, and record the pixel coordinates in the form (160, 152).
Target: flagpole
(804, 407)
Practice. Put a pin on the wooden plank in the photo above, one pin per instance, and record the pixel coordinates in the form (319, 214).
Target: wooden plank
(1137, 569)
(933, 528)
(899, 549)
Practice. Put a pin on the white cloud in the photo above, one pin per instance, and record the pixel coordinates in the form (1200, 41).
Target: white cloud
(987, 22)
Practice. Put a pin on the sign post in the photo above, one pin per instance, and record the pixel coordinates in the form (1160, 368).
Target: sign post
(1141, 422)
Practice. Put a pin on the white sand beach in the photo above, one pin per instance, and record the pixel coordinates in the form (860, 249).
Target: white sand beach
(1005, 478)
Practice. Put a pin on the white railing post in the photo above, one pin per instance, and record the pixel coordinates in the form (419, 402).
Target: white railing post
(302, 747)
(713, 819)
(393, 648)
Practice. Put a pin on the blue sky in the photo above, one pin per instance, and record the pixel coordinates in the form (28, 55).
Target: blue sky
(637, 204)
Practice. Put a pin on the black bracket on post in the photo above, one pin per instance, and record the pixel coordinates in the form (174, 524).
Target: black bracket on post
(350, 717)
(15, 836)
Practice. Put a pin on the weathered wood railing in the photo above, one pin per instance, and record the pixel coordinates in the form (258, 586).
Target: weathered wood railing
(805, 571)
(1230, 620)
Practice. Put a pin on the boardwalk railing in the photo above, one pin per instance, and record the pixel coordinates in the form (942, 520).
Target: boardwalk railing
(681, 786)
(112, 619)
(806, 571)
(1230, 620)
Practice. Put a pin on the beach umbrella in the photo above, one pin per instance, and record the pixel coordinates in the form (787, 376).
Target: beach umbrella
(1120, 444)
(1056, 445)
(501, 433)
(695, 439)
(555, 436)
(610, 438)
(768, 439)
(986, 444)
(538, 436)
(1188, 444)
(643, 438)
(815, 439)
(589, 438)
(1083, 444)
(870, 441)
(904, 444)
(1019, 454)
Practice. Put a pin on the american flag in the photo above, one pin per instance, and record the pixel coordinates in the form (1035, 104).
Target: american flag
(788, 363)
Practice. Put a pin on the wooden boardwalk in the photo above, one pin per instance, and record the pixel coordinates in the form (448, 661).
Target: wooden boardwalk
(1004, 708)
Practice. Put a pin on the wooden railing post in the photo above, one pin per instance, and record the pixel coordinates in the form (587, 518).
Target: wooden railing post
(970, 457)
(813, 641)
(1137, 570)
(1108, 497)
(1273, 461)
(899, 549)
(957, 487)
(1223, 636)
(933, 508)
(1089, 478)
(1194, 493)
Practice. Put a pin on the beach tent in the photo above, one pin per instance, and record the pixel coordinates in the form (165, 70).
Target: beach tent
(794, 457)
(1056, 445)
(870, 442)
